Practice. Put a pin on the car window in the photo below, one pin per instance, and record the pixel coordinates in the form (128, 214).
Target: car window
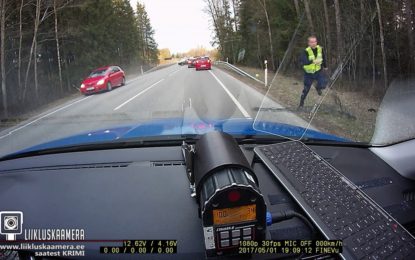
(97, 73)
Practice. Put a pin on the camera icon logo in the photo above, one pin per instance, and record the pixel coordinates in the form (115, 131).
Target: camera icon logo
(11, 224)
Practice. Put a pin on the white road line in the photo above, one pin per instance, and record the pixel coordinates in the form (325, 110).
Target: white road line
(173, 73)
(134, 79)
(140, 76)
(40, 118)
(240, 107)
(140, 93)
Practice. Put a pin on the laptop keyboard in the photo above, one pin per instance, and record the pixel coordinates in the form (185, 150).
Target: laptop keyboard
(336, 205)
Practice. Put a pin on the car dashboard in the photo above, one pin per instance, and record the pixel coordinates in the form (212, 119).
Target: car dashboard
(143, 194)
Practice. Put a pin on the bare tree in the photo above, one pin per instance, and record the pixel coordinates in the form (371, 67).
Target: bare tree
(235, 11)
(382, 44)
(213, 13)
(264, 7)
(373, 56)
(338, 30)
(297, 8)
(3, 58)
(33, 48)
(328, 31)
(362, 17)
(57, 45)
(309, 16)
(410, 32)
(19, 62)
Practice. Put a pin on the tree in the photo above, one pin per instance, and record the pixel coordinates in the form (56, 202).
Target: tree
(164, 54)
(235, 11)
(198, 51)
(309, 16)
(19, 60)
(339, 37)
(33, 51)
(55, 11)
(410, 31)
(297, 8)
(362, 17)
(146, 32)
(3, 10)
(328, 30)
(382, 44)
(271, 48)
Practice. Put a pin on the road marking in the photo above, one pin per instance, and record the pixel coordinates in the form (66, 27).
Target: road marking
(140, 93)
(132, 80)
(40, 118)
(173, 73)
(141, 75)
(241, 108)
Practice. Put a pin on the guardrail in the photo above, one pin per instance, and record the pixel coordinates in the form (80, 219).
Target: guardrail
(239, 71)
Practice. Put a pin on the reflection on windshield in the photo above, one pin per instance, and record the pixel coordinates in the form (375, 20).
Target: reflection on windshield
(321, 83)
(97, 73)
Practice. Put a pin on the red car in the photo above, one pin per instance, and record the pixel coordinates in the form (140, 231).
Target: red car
(203, 63)
(103, 79)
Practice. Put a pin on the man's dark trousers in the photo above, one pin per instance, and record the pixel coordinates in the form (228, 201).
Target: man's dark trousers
(308, 81)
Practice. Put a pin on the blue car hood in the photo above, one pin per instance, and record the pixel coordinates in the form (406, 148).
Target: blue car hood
(177, 127)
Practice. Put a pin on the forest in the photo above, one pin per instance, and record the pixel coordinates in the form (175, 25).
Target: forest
(372, 40)
(48, 46)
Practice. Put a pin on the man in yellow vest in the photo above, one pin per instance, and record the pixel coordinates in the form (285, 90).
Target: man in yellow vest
(313, 61)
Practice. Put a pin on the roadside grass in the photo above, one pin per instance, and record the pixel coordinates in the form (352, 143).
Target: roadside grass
(346, 111)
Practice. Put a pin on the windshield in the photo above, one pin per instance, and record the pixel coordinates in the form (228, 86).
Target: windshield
(315, 90)
(334, 71)
(97, 73)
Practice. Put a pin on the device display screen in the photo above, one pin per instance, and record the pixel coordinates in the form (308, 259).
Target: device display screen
(234, 215)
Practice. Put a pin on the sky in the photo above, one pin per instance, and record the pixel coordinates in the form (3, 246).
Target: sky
(179, 25)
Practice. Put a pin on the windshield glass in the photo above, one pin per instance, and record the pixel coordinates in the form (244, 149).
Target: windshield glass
(97, 73)
(335, 71)
(313, 86)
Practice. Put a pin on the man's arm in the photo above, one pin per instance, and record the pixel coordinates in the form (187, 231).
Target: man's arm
(304, 59)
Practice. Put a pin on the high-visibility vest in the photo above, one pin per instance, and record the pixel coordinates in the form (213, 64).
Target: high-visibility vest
(313, 68)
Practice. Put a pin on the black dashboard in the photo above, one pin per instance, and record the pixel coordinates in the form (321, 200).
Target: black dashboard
(143, 193)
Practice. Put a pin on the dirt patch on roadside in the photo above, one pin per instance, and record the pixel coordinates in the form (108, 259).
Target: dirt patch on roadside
(14, 120)
(345, 113)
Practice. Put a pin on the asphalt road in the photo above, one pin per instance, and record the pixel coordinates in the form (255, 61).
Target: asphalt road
(164, 93)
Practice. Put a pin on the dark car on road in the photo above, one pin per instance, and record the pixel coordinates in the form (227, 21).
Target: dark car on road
(182, 62)
(190, 62)
(103, 79)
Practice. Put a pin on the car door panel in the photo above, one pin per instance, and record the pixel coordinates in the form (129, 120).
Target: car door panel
(119, 78)
(113, 77)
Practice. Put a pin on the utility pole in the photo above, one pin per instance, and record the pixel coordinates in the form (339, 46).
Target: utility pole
(266, 73)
